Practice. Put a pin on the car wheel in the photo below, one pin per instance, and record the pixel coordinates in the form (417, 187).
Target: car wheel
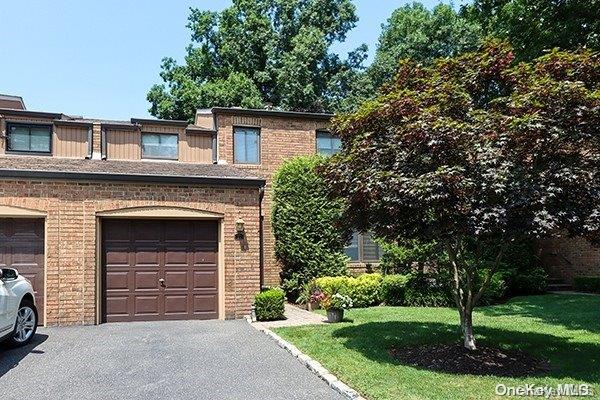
(26, 324)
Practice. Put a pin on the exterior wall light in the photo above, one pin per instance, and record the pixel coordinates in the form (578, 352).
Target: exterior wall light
(240, 228)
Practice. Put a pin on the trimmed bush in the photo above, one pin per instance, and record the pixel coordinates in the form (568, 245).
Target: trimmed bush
(365, 290)
(393, 288)
(587, 284)
(309, 242)
(269, 305)
(496, 290)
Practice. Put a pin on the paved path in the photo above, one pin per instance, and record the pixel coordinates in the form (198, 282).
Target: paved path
(156, 360)
(295, 316)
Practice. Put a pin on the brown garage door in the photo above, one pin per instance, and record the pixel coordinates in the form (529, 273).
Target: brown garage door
(160, 270)
(22, 248)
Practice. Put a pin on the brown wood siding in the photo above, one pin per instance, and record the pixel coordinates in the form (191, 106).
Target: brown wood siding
(69, 141)
(196, 148)
(123, 145)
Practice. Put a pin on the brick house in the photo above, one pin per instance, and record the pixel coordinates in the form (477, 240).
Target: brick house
(152, 219)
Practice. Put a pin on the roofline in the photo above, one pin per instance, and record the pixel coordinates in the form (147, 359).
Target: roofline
(200, 129)
(103, 176)
(123, 126)
(166, 122)
(14, 98)
(72, 123)
(269, 113)
(32, 114)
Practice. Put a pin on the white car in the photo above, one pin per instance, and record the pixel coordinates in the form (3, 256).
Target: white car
(18, 315)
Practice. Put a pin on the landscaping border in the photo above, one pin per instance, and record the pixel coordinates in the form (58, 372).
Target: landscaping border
(312, 365)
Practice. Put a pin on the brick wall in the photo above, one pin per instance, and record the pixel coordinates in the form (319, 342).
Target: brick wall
(280, 140)
(569, 258)
(71, 208)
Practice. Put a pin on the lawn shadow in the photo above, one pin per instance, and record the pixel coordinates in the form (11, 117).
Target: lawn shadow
(11, 357)
(572, 311)
(567, 360)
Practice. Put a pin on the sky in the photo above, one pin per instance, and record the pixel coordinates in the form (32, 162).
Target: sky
(98, 59)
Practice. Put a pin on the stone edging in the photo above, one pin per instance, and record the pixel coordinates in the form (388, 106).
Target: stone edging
(313, 365)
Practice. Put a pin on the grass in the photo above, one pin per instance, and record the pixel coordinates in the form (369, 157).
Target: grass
(564, 329)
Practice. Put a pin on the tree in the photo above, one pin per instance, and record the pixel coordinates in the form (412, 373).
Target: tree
(476, 152)
(259, 53)
(415, 32)
(535, 26)
(309, 242)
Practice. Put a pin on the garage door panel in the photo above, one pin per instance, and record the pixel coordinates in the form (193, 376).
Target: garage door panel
(205, 256)
(176, 280)
(119, 305)
(117, 280)
(146, 305)
(205, 304)
(146, 256)
(116, 255)
(205, 280)
(146, 280)
(176, 256)
(183, 253)
(176, 304)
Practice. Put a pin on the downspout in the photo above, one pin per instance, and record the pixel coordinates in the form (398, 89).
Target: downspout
(90, 138)
(215, 156)
(261, 218)
(103, 143)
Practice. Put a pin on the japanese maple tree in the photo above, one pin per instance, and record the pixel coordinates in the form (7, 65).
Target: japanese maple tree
(473, 151)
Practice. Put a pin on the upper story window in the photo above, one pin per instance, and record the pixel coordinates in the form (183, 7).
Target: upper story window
(327, 144)
(362, 248)
(160, 145)
(29, 138)
(246, 145)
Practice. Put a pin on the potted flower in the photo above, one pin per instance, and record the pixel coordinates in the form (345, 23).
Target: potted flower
(335, 306)
(315, 299)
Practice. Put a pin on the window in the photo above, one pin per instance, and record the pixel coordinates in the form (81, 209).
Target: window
(246, 146)
(159, 145)
(29, 138)
(327, 144)
(362, 248)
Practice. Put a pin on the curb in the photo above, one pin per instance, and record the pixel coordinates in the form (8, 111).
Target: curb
(312, 365)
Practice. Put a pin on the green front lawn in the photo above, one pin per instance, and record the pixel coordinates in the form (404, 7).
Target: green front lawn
(565, 329)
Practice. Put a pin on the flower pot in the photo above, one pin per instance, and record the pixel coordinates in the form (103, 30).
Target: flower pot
(335, 315)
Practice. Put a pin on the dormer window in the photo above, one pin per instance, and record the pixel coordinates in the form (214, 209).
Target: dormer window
(160, 146)
(327, 144)
(28, 138)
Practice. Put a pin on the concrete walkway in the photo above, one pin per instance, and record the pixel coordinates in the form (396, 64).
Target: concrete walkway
(295, 316)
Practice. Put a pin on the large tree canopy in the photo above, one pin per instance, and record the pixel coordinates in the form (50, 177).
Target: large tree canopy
(415, 32)
(472, 150)
(261, 52)
(534, 26)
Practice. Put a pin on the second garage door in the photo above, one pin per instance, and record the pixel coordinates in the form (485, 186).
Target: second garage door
(160, 270)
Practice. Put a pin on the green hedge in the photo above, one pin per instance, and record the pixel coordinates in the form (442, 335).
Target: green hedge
(309, 242)
(270, 305)
(587, 284)
(393, 289)
(365, 290)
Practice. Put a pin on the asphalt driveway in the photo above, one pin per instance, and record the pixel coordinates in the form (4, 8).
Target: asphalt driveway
(156, 360)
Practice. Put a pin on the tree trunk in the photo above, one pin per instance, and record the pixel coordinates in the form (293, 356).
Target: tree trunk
(467, 328)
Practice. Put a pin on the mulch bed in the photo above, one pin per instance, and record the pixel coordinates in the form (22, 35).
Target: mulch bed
(454, 358)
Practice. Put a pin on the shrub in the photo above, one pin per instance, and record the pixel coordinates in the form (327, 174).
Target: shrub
(534, 281)
(402, 258)
(587, 284)
(496, 290)
(365, 290)
(269, 305)
(423, 290)
(309, 242)
(393, 288)
(331, 285)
